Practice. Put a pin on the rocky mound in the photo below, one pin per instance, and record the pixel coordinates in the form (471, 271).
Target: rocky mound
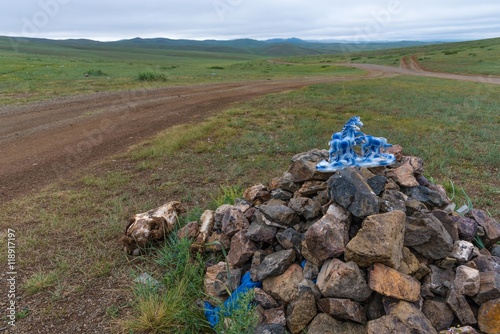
(376, 250)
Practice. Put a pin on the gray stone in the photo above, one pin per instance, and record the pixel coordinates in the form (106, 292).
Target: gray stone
(309, 285)
(285, 182)
(377, 183)
(485, 263)
(490, 225)
(257, 259)
(279, 215)
(462, 251)
(392, 200)
(439, 281)
(258, 231)
(379, 240)
(305, 207)
(311, 271)
(225, 284)
(219, 215)
(390, 282)
(281, 194)
(242, 250)
(489, 287)
(495, 250)
(467, 228)
(439, 314)
(413, 206)
(461, 308)
(327, 237)
(264, 299)
(303, 167)
(343, 309)
(426, 235)
(300, 312)
(233, 221)
(467, 281)
(375, 307)
(325, 324)
(290, 239)
(270, 329)
(449, 224)
(337, 279)
(148, 280)
(349, 189)
(275, 264)
(425, 195)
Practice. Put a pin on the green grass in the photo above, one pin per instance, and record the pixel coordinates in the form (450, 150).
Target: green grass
(473, 57)
(72, 228)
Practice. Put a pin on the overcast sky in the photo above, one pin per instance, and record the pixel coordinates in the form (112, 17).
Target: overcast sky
(359, 20)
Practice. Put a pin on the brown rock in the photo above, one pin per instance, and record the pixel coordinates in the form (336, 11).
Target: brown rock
(337, 279)
(397, 150)
(242, 250)
(303, 167)
(404, 318)
(301, 311)
(257, 194)
(305, 207)
(415, 162)
(344, 309)
(211, 277)
(467, 281)
(489, 317)
(275, 316)
(439, 314)
(190, 231)
(390, 282)
(218, 241)
(449, 224)
(324, 324)
(379, 240)
(284, 287)
(403, 175)
(490, 225)
(311, 188)
(409, 264)
(328, 236)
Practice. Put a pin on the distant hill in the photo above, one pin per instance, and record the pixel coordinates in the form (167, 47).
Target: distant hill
(271, 47)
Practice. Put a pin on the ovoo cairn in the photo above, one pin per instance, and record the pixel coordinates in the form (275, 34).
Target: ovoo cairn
(342, 153)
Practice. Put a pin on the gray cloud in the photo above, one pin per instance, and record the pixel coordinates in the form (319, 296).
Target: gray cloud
(229, 19)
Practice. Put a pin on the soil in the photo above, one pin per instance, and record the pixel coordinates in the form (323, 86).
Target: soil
(46, 141)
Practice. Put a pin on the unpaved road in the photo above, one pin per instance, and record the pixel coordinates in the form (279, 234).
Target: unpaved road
(41, 142)
(45, 141)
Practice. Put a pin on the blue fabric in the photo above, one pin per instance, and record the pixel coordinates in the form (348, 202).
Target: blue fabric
(212, 313)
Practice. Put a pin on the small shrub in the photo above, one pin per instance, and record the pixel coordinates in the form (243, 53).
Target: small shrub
(216, 68)
(95, 73)
(152, 76)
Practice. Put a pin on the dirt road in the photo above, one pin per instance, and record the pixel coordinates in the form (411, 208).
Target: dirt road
(45, 141)
(41, 142)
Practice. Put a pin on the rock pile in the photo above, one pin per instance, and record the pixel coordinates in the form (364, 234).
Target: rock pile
(376, 250)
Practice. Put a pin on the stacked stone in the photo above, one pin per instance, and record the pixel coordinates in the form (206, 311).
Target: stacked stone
(376, 250)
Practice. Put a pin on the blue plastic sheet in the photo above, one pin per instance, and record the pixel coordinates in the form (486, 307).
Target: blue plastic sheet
(213, 313)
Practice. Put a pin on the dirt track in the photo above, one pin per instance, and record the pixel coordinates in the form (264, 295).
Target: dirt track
(41, 142)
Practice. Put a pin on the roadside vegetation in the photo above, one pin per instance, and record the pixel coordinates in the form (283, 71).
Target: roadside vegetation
(68, 234)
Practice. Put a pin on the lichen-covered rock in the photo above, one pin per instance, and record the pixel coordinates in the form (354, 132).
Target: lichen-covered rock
(285, 287)
(489, 317)
(301, 311)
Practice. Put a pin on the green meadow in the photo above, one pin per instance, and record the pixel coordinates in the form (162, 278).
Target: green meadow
(70, 230)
